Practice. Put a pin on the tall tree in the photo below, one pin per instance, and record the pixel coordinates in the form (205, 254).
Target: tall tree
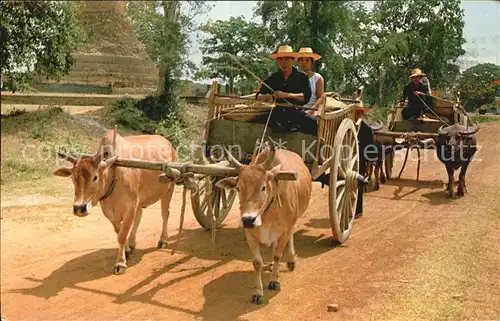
(244, 40)
(164, 27)
(475, 85)
(315, 24)
(38, 38)
(410, 34)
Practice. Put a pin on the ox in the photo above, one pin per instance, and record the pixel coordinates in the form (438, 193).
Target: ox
(455, 148)
(375, 153)
(269, 209)
(121, 192)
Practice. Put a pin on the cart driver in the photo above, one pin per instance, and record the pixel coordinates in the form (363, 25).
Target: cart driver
(289, 85)
(416, 91)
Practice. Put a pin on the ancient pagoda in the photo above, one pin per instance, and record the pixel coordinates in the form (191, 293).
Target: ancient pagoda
(112, 57)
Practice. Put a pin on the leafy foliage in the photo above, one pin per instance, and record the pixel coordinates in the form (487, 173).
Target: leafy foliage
(38, 38)
(376, 48)
(474, 82)
(242, 39)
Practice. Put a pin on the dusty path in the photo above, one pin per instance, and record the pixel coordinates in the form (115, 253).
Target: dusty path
(415, 255)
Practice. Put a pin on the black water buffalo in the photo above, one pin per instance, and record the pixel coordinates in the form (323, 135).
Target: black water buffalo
(455, 148)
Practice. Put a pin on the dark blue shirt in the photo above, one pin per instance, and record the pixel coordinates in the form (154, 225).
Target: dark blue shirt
(297, 82)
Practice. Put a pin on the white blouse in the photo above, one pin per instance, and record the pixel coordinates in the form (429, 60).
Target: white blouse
(312, 83)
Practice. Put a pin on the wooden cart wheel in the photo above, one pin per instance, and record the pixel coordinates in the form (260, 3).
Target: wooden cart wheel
(389, 163)
(222, 200)
(343, 189)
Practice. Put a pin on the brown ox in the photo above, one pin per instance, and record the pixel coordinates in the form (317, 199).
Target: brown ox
(269, 209)
(122, 192)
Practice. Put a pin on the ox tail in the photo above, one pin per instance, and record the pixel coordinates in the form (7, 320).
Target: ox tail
(183, 210)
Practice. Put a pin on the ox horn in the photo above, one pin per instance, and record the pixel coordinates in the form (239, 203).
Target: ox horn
(270, 156)
(470, 132)
(440, 130)
(97, 158)
(69, 158)
(231, 158)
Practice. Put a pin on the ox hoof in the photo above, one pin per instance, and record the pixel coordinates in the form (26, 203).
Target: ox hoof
(274, 285)
(257, 299)
(383, 180)
(452, 196)
(376, 187)
(162, 244)
(120, 269)
(291, 265)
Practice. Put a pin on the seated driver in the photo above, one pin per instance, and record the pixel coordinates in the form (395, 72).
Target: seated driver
(416, 92)
(289, 85)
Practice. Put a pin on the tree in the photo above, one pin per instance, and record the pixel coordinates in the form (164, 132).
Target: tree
(475, 85)
(411, 34)
(244, 40)
(375, 49)
(315, 24)
(38, 38)
(163, 27)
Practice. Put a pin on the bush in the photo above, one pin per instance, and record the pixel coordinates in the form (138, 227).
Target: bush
(124, 112)
(161, 115)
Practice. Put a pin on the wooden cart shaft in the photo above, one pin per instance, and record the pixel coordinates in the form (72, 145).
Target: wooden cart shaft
(212, 170)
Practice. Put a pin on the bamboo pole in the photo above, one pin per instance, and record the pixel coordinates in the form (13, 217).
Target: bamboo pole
(212, 170)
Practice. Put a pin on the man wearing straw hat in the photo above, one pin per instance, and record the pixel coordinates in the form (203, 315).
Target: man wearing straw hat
(288, 86)
(416, 92)
(306, 59)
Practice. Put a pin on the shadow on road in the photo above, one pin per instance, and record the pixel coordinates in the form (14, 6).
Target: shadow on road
(226, 298)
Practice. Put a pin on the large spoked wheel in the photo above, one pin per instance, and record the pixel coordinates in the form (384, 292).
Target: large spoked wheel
(221, 200)
(389, 163)
(343, 192)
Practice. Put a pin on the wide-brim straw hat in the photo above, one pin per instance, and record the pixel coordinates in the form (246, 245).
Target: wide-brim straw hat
(416, 72)
(284, 51)
(306, 52)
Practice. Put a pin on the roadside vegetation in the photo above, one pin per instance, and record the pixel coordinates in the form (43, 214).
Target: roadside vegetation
(30, 141)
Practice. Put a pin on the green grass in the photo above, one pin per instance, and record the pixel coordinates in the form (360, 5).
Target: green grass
(485, 118)
(31, 140)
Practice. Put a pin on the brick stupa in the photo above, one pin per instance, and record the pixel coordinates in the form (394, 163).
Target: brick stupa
(112, 57)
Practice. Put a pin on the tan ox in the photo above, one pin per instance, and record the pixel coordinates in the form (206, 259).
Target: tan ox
(269, 208)
(122, 192)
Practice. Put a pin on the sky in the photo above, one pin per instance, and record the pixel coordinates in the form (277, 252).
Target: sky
(481, 30)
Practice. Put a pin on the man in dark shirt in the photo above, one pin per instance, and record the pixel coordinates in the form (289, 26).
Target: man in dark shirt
(289, 86)
(416, 92)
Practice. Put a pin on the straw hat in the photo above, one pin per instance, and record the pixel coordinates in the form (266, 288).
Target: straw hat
(284, 51)
(416, 72)
(306, 52)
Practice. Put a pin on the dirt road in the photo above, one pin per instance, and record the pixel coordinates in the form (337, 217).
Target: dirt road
(415, 255)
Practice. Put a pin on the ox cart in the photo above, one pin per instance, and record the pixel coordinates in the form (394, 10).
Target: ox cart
(418, 133)
(333, 151)
(228, 125)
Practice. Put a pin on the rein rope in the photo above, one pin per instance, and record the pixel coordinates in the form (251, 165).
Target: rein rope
(432, 111)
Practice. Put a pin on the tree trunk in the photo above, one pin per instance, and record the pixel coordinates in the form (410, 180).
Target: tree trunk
(315, 31)
(171, 10)
(381, 81)
(231, 85)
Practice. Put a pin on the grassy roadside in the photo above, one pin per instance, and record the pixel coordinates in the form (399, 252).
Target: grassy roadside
(30, 140)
